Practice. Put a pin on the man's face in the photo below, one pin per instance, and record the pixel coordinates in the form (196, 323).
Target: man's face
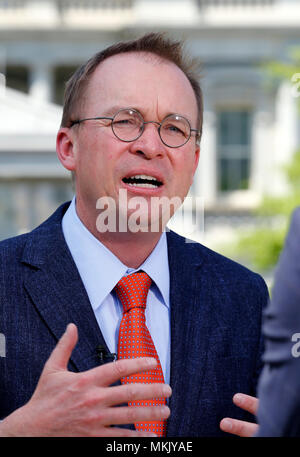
(102, 161)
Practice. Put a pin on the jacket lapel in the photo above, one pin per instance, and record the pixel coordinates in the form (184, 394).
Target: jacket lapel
(190, 325)
(55, 287)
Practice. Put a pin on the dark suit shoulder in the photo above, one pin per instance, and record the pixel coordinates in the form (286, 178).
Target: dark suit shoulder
(12, 250)
(13, 247)
(214, 263)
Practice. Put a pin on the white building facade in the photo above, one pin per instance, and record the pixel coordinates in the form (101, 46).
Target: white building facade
(250, 129)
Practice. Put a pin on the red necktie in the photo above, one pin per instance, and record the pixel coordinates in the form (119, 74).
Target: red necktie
(135, 340)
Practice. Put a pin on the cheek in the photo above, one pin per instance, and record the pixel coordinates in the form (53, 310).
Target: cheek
(105, 151)
(183, 178)
(185, 167)
(92, 157)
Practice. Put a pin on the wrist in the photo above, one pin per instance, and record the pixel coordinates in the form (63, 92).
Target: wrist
(15, 425)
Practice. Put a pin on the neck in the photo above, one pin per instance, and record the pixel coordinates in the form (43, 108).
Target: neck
(132, 249)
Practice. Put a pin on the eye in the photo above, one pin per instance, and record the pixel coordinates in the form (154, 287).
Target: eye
(123, 121)
(174, 129)
(126, 122)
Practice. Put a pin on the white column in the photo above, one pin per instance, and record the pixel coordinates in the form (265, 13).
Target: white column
(41, 82)
(285, 134)
(22, 202)
(262, 149)
(205, 181)
(2, 70)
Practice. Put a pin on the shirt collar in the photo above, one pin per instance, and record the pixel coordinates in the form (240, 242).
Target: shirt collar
(100, 269)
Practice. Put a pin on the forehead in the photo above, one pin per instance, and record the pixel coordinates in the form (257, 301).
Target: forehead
(143, 81)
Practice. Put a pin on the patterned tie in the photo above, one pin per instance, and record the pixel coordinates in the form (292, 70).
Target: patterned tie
(135, 341)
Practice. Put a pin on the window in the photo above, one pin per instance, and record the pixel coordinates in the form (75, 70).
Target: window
(233, 149)
(17, 77)
(61, 76)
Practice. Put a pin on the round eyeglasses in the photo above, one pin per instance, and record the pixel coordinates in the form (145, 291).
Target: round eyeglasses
(128, 125)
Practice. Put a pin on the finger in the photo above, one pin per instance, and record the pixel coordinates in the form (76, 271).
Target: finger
(246, 402)
(131, 414)
(61, 354)
(107, 374)
(136, 391)
(238, 427)
(119, 432)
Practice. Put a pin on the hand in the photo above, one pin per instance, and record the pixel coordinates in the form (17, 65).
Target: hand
(238, 427)
(83, 404)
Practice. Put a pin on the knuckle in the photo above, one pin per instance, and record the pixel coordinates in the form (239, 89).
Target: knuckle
(94, 417)
(240, 429)
(131, 391)
(131, 414)
(162, 412)
(100, 399)
(89, 400)
(94, 398)
(161, 391)
(242, 432)
(80, 383)
(157, 412)
(120, 368)
(249, 405)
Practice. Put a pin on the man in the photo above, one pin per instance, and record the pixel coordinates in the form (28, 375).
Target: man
(278, 411)
(131, 126)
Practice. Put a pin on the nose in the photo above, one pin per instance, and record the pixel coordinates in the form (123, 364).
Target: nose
(149, 143)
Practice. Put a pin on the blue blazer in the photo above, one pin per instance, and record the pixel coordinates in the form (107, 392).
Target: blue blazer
(216, 308)
(279, 384)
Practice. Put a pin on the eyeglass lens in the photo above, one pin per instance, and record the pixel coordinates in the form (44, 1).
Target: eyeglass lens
(128, 125)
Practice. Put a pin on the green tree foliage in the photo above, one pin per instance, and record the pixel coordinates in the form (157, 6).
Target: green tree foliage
(288, 70)
(262, 246)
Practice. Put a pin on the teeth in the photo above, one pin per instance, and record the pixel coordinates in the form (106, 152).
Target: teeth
(143, 177)
(142, 181)
(152, 186)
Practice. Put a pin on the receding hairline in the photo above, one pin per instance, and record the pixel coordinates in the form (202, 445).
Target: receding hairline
(156, 47)
(147, 56)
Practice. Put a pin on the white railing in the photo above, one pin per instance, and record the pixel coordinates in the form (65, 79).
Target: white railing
(55, 13)
(119, 13)
(232, 3)
(65, 5)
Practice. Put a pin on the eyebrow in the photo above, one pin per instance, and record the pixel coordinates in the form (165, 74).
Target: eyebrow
(114, 109)
(182, 115)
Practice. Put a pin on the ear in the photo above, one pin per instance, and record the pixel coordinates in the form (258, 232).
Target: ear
(65, 148)
(197, 157)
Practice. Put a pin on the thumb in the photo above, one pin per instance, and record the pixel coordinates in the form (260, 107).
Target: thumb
(61, 354)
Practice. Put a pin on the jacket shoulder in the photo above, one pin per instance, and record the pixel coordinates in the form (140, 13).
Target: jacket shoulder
(11, 249)
(215, 265)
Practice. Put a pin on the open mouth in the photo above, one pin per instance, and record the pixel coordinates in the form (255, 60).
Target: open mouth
(145, 181)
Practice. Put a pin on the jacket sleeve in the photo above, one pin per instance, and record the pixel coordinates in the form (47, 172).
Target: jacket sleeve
(279, 384)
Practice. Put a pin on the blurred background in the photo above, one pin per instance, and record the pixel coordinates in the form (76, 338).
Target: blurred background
(249, 173)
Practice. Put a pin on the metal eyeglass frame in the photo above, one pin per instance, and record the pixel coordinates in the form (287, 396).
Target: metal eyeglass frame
(143, 126)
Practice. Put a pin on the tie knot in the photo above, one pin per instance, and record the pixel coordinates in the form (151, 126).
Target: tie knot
(132, 290)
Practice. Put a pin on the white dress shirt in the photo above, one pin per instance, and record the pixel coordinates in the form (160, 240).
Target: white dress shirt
(100, 270)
